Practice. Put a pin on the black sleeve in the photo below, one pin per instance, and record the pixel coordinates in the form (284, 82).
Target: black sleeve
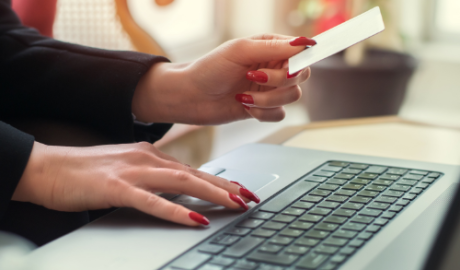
(41, 78)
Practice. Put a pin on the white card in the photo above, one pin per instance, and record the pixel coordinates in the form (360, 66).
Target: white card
(339, 38)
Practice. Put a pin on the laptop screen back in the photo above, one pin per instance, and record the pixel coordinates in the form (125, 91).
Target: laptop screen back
(445, 253)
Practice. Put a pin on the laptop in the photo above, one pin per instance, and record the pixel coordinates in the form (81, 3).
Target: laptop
(318, 210)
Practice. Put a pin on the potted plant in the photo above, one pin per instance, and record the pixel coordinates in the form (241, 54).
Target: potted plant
(367, 79)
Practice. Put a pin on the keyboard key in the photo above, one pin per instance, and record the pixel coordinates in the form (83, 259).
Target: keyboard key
(298, 250)
(336, 181)
(286, 197)
(409, 196)
(347, 250)
(281, 240)
(344, 212)
(338, 258)
(269, 267)
(413, 177)
(354, 226)
(331, 168)
(392, 193)
(320, 192)
(323, 173)
(353, 206)
(318, 179)
(356, 243)
(351, 171)
(359, 199)
(191, 260)
(326, 249)
(434, 175)
(310, 218)
(376, 188)
(326, 227)
(238, 231)
(309, 242)
(370, 176)
(406, 182)
(352, 186)
(391, 177)
(291, 232)
(263, 233)
(360, 181)
(358, 166)
(273, 225)
(281, 259)
(370, 212)
(309, 198)
(380, 221)
(300, 225)
(397, 171)
(283, 218)
(418, 172)
(362, 219)
(386, 199)
(422, 185)
(270, 248)
(338, 163)
(338, 242)
(395, 208)
(319, 211)
(210, 248)
(365, 235)
(245, 265)
(399, 188)
(316, 234)
(250, 223)
(383, 182)
(335, 219)
(222, 261)
(366, 193)
(388, 215)
(402, 202)
(344, 176)
(344, 192)
(303, 205)
(335, 198)
(312, 261)
(211, 267)
(330, 205)
(428, 180)
(416, 190)
(373, 228)
(294, 211)
(262, 215)
(376, 169)
(328, 187)
(345, 234)
(378, 205)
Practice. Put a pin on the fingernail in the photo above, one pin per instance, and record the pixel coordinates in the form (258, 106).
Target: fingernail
(289, 76)
(236, 183)
(246, 99)
(302, 41)
(238, 200)
(257, 76)
(198, 218)
(247, 107)
(250, 195)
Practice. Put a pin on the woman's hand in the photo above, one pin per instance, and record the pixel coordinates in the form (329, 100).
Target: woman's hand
(85, 178)
(240, 79)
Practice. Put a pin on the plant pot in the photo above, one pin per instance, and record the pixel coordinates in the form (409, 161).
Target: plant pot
(374, 88)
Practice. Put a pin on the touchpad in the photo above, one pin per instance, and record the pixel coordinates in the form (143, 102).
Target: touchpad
(251, 180)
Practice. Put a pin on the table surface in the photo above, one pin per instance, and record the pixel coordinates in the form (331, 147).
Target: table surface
(390, 136)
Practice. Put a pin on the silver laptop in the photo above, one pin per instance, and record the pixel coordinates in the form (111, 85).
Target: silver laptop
(318, 210)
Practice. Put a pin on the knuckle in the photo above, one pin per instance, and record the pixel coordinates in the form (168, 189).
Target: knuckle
(153, 201)
(181, 176)
(176, 212)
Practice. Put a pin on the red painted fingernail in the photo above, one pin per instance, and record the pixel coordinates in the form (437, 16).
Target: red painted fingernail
(250, 195)
(302, 41)
(289, 76)
(247, 107)
(246, 99)
(238, 200)
(198, 218)
(236, 183)
(257, 76)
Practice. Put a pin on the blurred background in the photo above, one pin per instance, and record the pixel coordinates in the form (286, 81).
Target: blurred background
(412, 69)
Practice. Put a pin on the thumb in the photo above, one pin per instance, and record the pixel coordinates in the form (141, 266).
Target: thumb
(268, 48)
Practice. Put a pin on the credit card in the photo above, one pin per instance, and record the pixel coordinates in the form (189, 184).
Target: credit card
(339, 38)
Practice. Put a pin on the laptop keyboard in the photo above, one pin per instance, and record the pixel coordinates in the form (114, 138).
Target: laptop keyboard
(317, 222)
